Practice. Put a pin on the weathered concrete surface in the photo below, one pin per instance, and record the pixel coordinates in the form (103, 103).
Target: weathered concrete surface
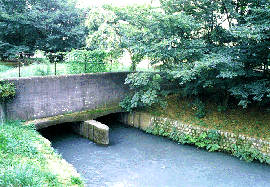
(93, 130)
(2, 114)
(73, 117)
(100, 132)
(46, 97)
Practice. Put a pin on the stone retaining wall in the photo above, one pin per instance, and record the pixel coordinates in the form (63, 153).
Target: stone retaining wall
(144, 121)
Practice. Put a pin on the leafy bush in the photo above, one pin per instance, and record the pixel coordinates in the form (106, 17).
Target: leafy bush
(146, 86)
(244, 150)
(257, 91)
(82, 61)
(198, 107)
(76, 181)
(7, 91)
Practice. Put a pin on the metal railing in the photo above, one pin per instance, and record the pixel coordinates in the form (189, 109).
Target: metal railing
(52, 65)
(20, 60)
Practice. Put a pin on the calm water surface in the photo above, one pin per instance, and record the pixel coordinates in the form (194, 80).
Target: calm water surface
(135, 158)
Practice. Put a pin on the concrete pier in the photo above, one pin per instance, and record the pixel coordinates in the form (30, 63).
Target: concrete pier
(93, 130)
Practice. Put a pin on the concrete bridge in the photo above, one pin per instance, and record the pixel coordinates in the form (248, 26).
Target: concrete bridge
(51, 100)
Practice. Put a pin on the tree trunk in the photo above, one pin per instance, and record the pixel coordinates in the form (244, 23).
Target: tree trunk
(133, 64)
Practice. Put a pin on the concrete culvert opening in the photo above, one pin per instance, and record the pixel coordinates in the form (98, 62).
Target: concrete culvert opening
(58, 130)
(96, 130)
(110, 119)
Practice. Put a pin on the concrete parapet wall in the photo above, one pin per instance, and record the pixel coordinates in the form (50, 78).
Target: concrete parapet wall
(144, 121)
(42, 97)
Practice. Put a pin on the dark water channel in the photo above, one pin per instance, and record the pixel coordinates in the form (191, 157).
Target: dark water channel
(135, 158)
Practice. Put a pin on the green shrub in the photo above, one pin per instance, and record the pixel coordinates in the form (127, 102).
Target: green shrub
(198, 107)
(245, 151)
(147, 91)
(7, 91)
(82, 61)
(76, 181)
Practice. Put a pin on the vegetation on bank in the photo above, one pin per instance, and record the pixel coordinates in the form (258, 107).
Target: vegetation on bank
(27, 159)
(252, 122)
(212, 140)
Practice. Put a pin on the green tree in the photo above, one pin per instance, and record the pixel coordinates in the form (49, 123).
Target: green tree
(236, 58)
(47, 25)
(119, 28)
(215, 48)
(83, 61)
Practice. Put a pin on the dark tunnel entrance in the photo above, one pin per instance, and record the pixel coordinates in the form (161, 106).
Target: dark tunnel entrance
(62, 130)
(56, 132)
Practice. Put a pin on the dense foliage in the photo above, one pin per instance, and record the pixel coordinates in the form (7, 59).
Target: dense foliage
(49, 25)
(83, 61)
(215, 48)
(218, 48)
(7, 91)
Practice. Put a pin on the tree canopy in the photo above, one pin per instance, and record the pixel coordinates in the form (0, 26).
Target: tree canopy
(217, 48)
(48, 25)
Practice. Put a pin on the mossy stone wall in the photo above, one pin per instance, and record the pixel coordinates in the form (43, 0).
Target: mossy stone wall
(238, 145)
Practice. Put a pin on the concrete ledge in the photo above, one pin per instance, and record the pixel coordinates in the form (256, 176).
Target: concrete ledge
(73, 117)
(93, 130)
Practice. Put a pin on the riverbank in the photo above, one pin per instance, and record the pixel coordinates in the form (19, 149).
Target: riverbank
(27, 159)
(244, 147)
(136, 158)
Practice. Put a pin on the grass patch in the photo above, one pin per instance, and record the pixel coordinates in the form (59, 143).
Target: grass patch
(62, 68)
(4, 68)
(25, 158)
(252, 122)
(35, 69)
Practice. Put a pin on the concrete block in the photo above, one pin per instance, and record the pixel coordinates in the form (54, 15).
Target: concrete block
(136, 120)
(100, 132)
(130, 120)
(84, 130)
(145, 121)
(90, 130)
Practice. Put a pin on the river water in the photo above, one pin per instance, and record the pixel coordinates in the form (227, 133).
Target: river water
(135, 158)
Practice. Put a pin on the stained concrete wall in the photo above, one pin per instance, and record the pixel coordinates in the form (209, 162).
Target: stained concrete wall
(42, 97)
(93, 130)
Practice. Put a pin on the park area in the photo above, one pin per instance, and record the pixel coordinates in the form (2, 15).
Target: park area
(203, 62)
